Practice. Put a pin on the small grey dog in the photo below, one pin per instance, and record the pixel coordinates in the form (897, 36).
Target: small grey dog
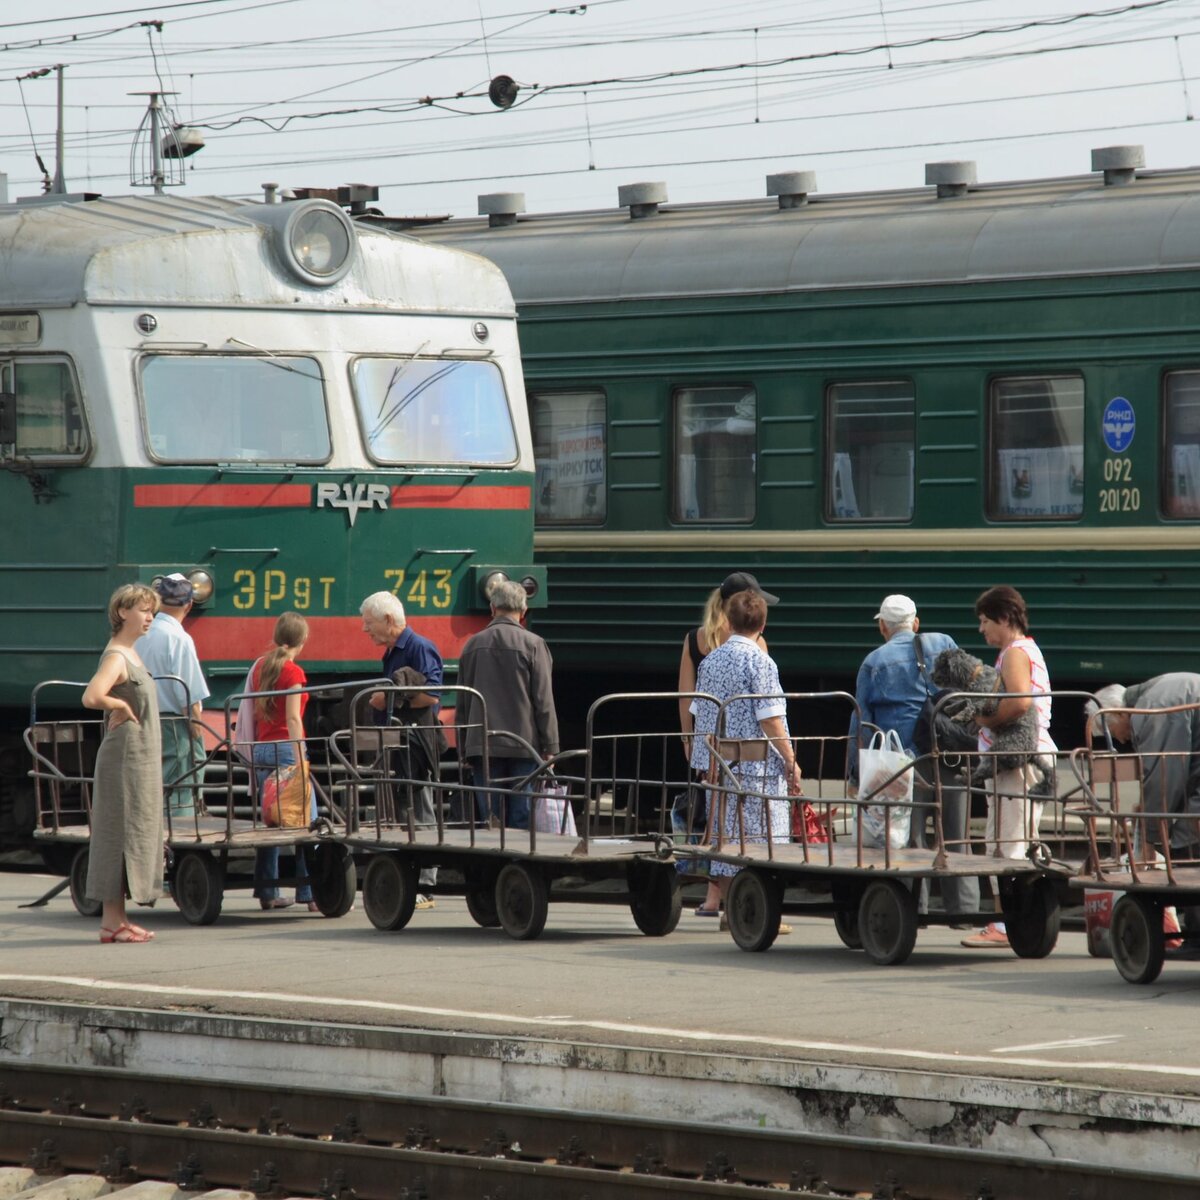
(1014, 743)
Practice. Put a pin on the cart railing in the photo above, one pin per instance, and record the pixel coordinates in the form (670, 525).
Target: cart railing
(1140, 806)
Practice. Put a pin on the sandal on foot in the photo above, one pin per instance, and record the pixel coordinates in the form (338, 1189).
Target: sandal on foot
(123, 934)
(707, 912)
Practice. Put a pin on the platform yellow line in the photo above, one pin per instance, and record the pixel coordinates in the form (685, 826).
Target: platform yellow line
(723, 1039)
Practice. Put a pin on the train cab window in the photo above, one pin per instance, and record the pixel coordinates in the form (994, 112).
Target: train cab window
(431, 410)
(716, 452)
(871, 451)
(1036, 448)
(571, 452)
(1181, 446)
(218, 408)
(50, 420)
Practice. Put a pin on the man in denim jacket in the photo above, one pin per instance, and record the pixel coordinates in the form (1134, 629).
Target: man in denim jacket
(891, 692)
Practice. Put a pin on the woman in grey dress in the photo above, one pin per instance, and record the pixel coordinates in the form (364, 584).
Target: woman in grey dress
(125, 854)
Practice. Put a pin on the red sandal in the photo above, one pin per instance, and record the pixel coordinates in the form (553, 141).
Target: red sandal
(125, 933)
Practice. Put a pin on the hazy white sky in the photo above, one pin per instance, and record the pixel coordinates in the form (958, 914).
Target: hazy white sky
(618, 91)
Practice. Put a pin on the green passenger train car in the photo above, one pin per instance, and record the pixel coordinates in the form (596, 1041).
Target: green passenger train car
(293, 410)
(926, 391)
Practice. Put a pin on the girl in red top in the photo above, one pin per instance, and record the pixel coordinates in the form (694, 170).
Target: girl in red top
(279, 742)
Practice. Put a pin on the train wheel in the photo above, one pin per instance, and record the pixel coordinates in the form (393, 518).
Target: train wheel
(1138, 945)
(390, 891)
(754, 907)
(481, 904)
(522, 901)
(332, 876)
(198, 887)
(84, 906)
(845, 921)
(1031, 916)
(887, 922)
(654, 898)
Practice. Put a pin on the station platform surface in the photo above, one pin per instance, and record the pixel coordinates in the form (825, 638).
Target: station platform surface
(593, 978)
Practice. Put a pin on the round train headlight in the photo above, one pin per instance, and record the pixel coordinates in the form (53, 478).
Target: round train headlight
(202, 586)
(531, 587)
(320, 240)
(488, 584)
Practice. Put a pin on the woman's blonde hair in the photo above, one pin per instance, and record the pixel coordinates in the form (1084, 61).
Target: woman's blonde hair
(714, 626)
(291, 632)
(127, 596)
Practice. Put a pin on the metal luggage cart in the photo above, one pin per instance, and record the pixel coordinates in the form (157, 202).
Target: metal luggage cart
(1128, 808)
(579, 847)
(868, 889)
(208, 851)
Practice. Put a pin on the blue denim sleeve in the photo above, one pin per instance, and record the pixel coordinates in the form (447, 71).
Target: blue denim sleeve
(864, 694)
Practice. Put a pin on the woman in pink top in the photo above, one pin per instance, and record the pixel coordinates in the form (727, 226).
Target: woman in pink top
(1013, 815)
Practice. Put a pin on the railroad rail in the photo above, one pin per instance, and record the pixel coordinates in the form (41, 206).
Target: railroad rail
(278, 1141)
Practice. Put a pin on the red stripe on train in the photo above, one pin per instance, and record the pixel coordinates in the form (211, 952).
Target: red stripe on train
(456, 496)
(300, 495)
(222, 495)
(330, 639)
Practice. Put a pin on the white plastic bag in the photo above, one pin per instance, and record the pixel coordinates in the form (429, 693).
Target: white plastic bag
(883, 758)
(242, 735)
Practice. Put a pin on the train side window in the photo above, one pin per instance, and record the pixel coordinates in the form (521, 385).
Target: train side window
(216, 408)
(571, 451)
(871, 449)
(50, 420)
(1181, 446)
(434, 410)
(1036, 448)
(716, 454)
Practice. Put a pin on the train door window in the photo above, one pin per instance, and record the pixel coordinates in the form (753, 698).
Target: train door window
(216, 408)
(1036, 448)
(571, 452)
(869, 471)
(434, 410)
(50, 420)
(716, 452)
(1181, 446)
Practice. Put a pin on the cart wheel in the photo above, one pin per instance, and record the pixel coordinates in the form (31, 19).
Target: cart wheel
(390, 890)
(198, 887)
(845, 921)
(887, 922)
(1138, 945)
(332, 876)
(522, 901)
(1031, 916)
(481, 904)
(754, 906)
(84, 905)
(655, 898)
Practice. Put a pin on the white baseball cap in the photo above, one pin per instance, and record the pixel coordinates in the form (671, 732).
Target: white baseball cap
(895, 610)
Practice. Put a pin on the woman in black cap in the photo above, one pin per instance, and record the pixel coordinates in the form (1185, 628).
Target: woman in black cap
(712, 632)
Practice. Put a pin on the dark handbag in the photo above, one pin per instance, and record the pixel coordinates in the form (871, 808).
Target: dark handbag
(952, 737)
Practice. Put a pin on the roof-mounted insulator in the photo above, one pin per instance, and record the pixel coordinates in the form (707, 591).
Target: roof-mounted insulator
(953, 179)
(792, 187)
(1118, 163)
(501, 208)
(270, 193)
(642, 199)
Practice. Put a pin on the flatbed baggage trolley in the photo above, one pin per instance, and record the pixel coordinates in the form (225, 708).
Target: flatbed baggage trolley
(207, 851)
(508, 875)
(1130, 809)
(868, 888)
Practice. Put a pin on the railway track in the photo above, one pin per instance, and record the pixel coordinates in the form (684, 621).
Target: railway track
(278, 1141)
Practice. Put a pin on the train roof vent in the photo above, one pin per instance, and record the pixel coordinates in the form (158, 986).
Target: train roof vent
(792, 187)
(1118, 163)
(953, 179)
(642, 199)
(501, 208)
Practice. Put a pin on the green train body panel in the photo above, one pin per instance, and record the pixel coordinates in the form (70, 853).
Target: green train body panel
(1049, 278)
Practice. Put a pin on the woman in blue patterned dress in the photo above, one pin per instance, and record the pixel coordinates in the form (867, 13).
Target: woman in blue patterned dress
(739, 668)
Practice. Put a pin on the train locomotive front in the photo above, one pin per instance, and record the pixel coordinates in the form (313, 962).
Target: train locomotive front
(292, 410)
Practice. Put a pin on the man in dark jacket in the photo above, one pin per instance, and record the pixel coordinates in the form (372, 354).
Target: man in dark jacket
(510, 667)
